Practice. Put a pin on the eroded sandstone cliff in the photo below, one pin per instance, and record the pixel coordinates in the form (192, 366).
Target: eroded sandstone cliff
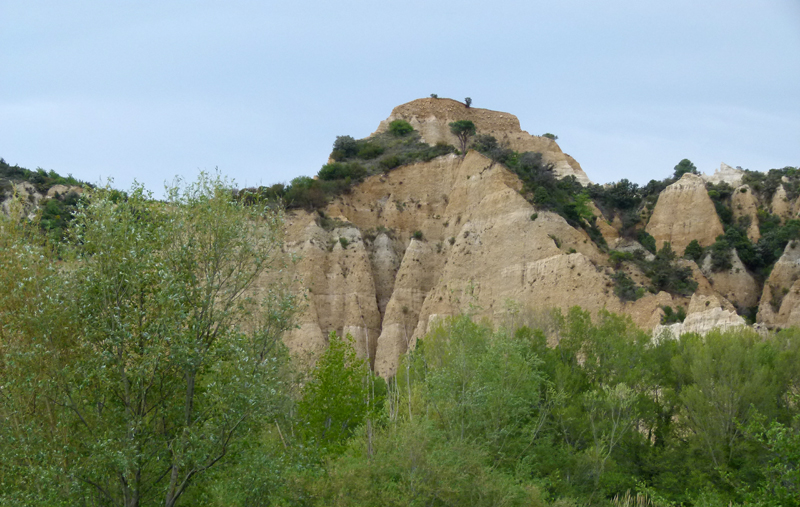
(406, 248)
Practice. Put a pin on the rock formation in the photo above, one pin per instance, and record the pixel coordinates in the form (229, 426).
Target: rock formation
(779, 302)
(407, 248)
(745, 204)
(431, 117)
(684, 212)
(736, 284)
(725, 174)
(705, 313)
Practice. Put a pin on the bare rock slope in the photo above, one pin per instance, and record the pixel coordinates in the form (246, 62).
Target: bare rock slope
(476, 247)
(407, 248)
(684, 212)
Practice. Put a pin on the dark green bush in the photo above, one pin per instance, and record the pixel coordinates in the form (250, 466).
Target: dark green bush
(400, 128)
(721, 258)
(417, 235)
(693, 251)
(346, 146)
(665, 273)
(673, 316)
(391, 162)
(625, 288)
(683, 167)
(647, 241)
(341, 171)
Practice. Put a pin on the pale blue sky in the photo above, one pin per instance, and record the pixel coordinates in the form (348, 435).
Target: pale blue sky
(151, 90)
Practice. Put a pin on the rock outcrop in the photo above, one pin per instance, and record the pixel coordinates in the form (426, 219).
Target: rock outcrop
(684, 212)
(402, 250)
(464, 240)
(780, 301)
(780, 204)
(431, 117)
(725, 174)
(737, 285)
(705, 313)
(745, 204)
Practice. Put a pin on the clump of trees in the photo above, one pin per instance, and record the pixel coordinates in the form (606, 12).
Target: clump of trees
(487, 417)
(138, 358)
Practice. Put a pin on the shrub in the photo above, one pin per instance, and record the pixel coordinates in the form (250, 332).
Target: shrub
(370, 150)
(434, 96)
(666, 275)
(417, 235)
(341, 171)
(346, 145)
(693, 251)
(683, 167)
(400, 128)
(624, 287)
(468, 102)
(550, 136)
(673, 316)
(534, 216)
(647, 241)
(344, 242)
(721, 258)
(390, 162)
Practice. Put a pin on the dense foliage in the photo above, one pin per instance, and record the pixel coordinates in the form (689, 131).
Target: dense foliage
(482, 417)
(126, 372)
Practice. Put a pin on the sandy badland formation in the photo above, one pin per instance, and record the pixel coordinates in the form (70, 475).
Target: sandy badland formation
(424, 241)
(481, 251)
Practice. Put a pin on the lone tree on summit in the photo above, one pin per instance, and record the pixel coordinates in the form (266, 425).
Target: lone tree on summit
(463, 130)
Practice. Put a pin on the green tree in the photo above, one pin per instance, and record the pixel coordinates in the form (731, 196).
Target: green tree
(468, 102)
(146, 373)
(683, 167)
(463, 130)
(728, 376)
(344, 147)
(339, 397)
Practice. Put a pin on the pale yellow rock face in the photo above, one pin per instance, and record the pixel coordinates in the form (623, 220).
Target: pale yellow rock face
(780, 204)
(63, 190)
(735, 284)
(745, 204)
(431, 117)
(779, 301)
(340, 288)
(609, 232)
(705, 313)
(725, 174)
(480, 250)
(684, 212)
